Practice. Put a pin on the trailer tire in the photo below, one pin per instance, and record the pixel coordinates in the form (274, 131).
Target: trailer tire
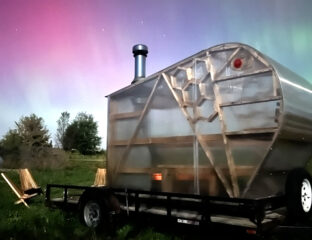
(96, 210)
(299, 194)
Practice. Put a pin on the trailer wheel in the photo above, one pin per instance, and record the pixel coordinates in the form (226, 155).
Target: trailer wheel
(96, 210)
(92, 214)
(299, 194)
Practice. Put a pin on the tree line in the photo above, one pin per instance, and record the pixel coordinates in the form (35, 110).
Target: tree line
(30, 139)
(81, 134)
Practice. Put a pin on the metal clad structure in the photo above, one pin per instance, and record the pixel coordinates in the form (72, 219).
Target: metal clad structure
(227, 121)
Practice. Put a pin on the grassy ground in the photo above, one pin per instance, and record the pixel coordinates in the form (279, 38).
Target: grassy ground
(41, 222)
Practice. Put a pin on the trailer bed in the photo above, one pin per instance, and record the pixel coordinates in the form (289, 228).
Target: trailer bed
(257, 215)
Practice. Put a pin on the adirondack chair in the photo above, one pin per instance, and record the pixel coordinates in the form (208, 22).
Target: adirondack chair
(99, 181)
(29, 187)
(28, 184)
(100, 178)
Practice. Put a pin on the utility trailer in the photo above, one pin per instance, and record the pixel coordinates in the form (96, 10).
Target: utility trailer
(222, 136)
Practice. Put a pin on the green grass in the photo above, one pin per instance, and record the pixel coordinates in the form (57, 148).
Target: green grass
(41, 222)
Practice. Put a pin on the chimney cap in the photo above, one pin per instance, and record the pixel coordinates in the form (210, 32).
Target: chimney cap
(139, 49)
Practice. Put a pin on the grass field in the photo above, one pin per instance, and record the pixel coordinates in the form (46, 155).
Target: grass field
(40, 222)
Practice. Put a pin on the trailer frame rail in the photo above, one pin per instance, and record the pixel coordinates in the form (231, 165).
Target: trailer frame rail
(177, 207)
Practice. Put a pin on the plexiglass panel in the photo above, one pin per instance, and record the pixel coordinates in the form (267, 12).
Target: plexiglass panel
(176, 163)
(206, 108)
(250, 116)
(166, 119)
(191, 93)
(247, 64)
(218, 60)
(133, 99)
(204, 127)
(248, 151)
(179, 79)
(163, 144)
(206, 88)
(124, 128)
(214, 146)
(140, 181)
(164, 123)
(132, 170)
(209, 183)
(139, 157)
(246, 89)
(201, 69)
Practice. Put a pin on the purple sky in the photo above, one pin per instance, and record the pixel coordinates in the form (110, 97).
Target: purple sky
(60, 56)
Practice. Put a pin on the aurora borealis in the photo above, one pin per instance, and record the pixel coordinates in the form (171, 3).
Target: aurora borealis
(60, 56)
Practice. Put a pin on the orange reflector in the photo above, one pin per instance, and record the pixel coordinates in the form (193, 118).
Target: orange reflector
(251, 231)
(157, 176)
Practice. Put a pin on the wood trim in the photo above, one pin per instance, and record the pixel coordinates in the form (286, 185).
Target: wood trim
(167, 140)
(252, 131)
(228, 150)
(187, 169)
(230, 104)
(125, 115)
(212, 116)
(262, 71)
(222, 49)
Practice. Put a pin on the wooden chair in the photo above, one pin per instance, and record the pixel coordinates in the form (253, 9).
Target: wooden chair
(28, 184)
(29, 187)
(100, 178)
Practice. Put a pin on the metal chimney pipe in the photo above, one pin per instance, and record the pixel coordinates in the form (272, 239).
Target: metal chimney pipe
(140, 53)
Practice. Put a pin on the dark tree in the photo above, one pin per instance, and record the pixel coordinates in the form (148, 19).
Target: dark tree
(82, 134)
(33, 132)
(10, 142)
(28, 144)
(62, 125)
(10, 148)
